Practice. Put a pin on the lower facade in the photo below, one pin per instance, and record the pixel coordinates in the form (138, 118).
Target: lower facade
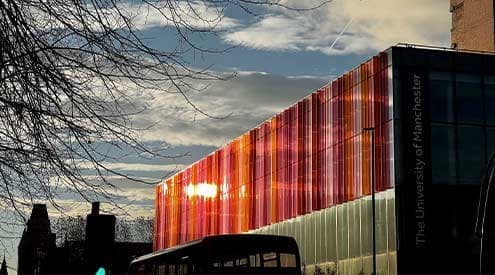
(338, 240)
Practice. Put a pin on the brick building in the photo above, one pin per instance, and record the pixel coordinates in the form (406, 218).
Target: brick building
(473, 25)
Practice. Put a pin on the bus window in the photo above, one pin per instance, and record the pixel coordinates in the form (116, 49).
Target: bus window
(162, 269)
(183, 269)
(270, 259)
(171, 269)
(144, 269)
(243, 262)
(228, 264)
(254, 260)
(287, 260)
(140, 268)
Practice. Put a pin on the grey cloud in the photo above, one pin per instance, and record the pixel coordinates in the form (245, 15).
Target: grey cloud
(270, 92)
(126, 193)
(250, 98)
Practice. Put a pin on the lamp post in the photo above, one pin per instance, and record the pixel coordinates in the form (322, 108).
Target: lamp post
(373, 226)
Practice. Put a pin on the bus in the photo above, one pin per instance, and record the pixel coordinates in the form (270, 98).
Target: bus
(223, 254)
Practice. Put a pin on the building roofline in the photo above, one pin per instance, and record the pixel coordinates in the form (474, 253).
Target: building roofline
(439, 48)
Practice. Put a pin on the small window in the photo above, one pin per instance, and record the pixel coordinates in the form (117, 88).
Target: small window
(269, 256)
(469, 98)
(471, 152)
(162, 269)
(287, 260)
(441, 97)
(183, 269)
(270, 259)
(490, 136)
(243, 262)
(443, 154)
(141, 268)
(254, 260)
(490, 99)
(144, 269)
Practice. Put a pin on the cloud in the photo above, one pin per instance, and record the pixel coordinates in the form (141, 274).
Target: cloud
(194, 14)
(272, 32)
(186, 15)
(370, 26)
(127, 166)
(250, 98)
(117, 190)
(128, 198)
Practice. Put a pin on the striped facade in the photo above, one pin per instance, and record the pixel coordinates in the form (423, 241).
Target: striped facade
(312, 156)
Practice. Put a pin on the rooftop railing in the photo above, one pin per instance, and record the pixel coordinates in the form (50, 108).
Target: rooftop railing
(447, 49)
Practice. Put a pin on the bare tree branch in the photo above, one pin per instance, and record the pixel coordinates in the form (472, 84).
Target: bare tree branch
(65, 70)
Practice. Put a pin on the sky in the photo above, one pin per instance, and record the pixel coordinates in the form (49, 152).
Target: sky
(277, 56)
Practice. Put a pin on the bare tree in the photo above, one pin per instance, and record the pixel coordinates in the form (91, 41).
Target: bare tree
(139, 229)
(65, 70)
(69, 229)
(123, 230)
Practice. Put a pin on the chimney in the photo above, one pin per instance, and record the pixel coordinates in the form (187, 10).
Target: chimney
(95, 208)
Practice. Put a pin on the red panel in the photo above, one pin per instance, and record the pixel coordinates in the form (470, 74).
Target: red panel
(285, 167)
(315, 104)
(303, 145)
(281, 164)
(216, 201)
(252, 174)
(293, 160)
(320, 164)
(258, 186)
(300, 158)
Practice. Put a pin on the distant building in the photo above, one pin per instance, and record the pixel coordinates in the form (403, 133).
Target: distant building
(473, 25)
(37, 243)
(38, 253)
(3, 268)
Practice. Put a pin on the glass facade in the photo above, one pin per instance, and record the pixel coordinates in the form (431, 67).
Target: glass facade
(306, 172)
(462, 141)
(339, 239)
(443, 121)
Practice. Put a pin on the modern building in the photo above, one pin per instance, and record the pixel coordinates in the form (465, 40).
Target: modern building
(473, 24)
(38, 253)
(418, 124)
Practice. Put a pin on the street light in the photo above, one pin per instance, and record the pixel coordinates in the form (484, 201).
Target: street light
(373, 226)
